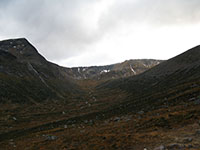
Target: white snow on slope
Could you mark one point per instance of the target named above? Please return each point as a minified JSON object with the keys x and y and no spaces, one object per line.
{"x":104,"y":71}
{"x":133,"y":70}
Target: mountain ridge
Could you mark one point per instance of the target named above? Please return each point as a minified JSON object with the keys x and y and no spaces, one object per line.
{"x":24,"y":51}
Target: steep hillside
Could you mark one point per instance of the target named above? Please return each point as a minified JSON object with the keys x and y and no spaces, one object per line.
{"x":26,"y":76}
{"x":172,"y":82}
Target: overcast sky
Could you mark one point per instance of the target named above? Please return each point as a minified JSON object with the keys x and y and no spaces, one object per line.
{"x":99,"y":32}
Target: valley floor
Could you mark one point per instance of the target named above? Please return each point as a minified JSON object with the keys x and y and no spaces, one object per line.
{"x":177,"y":127}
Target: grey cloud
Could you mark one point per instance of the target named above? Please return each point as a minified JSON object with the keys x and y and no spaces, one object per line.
{"x":4,"y":3}
{"x":58,"y":30}
{"x":152,"y":12}
{"x":54,"y":27}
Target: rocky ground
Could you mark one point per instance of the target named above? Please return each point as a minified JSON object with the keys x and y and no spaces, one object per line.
{"x":161,"y":129}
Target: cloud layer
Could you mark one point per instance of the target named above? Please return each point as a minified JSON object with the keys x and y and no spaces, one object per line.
{"x":58,"y":29}
{"x":157,"y":12}
{"x":86,"y":32}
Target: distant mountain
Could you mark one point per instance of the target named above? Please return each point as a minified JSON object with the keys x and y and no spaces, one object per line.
{"x":119,"y":70}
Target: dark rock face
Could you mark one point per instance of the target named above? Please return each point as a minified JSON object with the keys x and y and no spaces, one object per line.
{"x":6,"y":55}
{"x":22,"y":50}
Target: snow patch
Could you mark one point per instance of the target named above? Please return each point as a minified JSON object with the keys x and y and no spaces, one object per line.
{"x":79,"y":70}
{"x":133,"y":70}
{"x":104,"y":71}
{"x":157,"y":63}
{"x":145,"y":65}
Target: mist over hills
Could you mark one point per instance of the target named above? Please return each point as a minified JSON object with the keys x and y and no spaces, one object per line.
{"x":129,"y":105}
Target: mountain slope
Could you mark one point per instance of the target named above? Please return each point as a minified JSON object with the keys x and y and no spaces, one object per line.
{"x":172,"y":82}
{"x":26,"y":76}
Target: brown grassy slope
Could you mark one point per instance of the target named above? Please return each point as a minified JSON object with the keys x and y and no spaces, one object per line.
{"x":131,"y":131}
